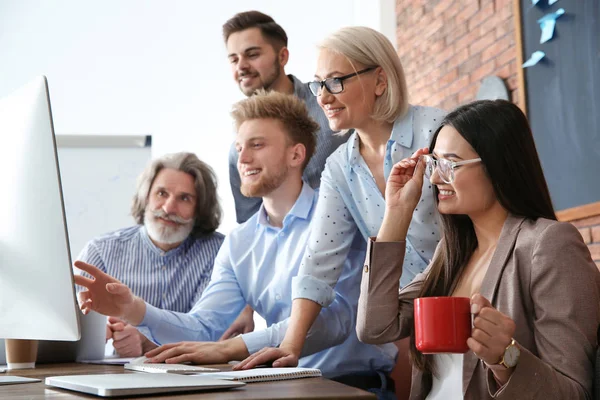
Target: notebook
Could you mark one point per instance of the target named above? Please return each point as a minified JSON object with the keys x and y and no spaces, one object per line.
{"x":264,"y":374}
{"x":110,"y":385}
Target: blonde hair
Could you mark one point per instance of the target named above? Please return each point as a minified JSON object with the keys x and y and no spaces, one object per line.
{"x":370,"y":48}
{"x":208,"y":210}
{"x":288,"y":109}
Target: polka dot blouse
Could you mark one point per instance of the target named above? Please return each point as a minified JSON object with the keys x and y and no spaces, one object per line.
{"x":351,"y":208}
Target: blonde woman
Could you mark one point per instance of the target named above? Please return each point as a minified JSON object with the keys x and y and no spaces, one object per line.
{"x":360,"y":84}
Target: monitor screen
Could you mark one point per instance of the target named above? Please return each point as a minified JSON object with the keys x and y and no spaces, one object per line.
{"x":37,"y":293}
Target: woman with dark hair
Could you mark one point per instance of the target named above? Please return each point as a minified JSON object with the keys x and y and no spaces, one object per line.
{"x":533,"y":286}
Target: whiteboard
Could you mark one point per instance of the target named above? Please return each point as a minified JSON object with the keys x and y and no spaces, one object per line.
{"x":98,"y":174}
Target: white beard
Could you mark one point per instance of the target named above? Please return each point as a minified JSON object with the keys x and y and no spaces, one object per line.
{"x":165,"y":234}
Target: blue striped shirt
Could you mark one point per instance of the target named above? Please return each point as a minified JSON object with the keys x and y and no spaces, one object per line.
{"x":327,"y":142}
{"x":173,"y":280}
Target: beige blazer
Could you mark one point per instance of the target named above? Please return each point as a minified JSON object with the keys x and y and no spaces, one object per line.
{"x":541,"y":275}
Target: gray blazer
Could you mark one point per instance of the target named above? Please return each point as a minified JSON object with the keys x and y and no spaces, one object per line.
{"x":541,"y":275}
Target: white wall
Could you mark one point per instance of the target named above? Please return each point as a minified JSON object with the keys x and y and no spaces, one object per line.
{"x":156,"y":67}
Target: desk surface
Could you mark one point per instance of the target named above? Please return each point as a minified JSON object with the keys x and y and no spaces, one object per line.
{"x":307,"y":388}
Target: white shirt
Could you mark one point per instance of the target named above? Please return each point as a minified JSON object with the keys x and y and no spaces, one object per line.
{"x":447,"y":381}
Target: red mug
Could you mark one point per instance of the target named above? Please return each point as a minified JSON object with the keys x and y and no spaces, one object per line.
{"x":442,"y":324}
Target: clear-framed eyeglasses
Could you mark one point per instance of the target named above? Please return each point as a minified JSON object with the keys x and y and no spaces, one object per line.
{"x":334,"y":85}
{"x":444,"y":167}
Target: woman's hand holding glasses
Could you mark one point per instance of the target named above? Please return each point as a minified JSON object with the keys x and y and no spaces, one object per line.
{"x":402,"y":194}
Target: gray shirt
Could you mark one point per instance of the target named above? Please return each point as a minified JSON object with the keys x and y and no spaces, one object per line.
{"x":327,"y":142}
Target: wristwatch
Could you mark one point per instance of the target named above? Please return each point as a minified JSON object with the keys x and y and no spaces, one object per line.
{"x":511,"y":355}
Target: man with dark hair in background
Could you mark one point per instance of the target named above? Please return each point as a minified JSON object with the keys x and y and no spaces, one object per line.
{"x":257,"y":52}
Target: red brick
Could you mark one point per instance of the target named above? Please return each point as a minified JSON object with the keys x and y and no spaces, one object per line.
{"x":587,"y":221}
{"x":505,"y":27}
{"x":451,"y":11}
{"x":503,"y":72}
{"x":504,"y":11}
{"x":586,"y":234}
{"x":458,"y":85}
{"x":498,"y":47}
{"x":506,"y":56}
{"x":512,"y":83}
{"x":443,"y":56}
{"x":513,"y":68}
{"x":457,"y":31}
{"x":470,"y":65}
{"x":458,"y":58}
{"x":595,"y":250}
{"x":428,"y":6}
{"x":437,"y":46}
{"x":430,"y":29}
{"x":481,"y":72}
{"x":596,"y":234}
{"x":514,"y":97}
{"x":467,"y":12}
{"x":481,"y":44}
{"x":463,"y":41}
{"x":482,"y":15}
{"x":503,"y":3}
{"x":448,"y":78}
{"x":467,"y":94}
{"x":441,"y":7}
{"x":489,"y":27}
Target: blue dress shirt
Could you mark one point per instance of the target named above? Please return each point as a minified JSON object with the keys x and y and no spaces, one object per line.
{"x":352,"y":205}
{"x":327,"y":142}
{"x":173,"y":280}
{"x":255,"y":266}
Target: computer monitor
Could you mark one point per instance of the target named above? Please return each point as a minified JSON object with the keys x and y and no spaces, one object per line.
{"x":37,"y":292}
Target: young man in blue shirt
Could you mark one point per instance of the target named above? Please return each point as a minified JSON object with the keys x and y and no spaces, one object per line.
{"x":256,"y":264}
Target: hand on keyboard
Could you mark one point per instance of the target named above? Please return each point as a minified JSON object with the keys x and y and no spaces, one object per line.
{"x":139,"y":360}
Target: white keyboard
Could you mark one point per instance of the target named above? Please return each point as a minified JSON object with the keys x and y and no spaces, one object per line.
{"x":169,"y":368}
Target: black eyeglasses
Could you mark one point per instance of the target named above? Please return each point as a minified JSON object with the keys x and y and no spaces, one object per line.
{"x":334,"y":85}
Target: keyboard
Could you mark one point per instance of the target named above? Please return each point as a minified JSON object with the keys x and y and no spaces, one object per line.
{"x":169,"y":368}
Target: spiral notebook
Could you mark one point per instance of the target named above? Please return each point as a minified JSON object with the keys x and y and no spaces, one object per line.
{"x":264,"y":374}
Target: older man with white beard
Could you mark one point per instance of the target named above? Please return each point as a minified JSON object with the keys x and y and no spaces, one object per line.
{"x":168,"y":257}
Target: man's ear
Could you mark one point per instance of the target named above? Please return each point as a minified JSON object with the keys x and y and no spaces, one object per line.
{"x":381,"y":84}
{"x":283,"y":56}
{"x":298,"y":155}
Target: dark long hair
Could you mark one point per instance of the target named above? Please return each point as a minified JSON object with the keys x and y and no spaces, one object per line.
{"x":499,"y":132}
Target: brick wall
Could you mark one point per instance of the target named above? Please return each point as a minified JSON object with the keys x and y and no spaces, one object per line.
{"x":448,"y":46}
